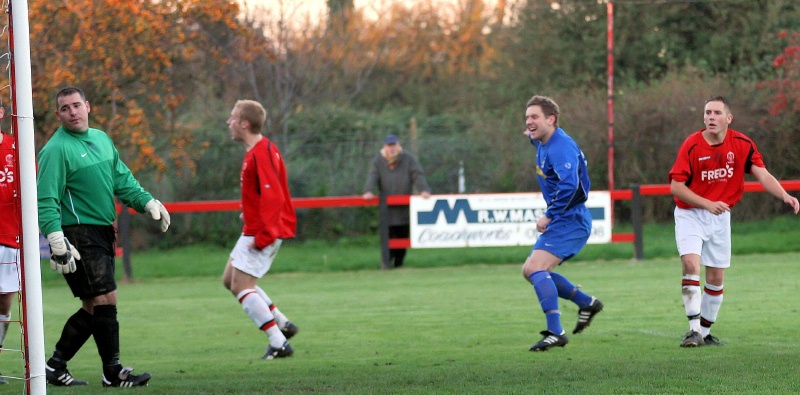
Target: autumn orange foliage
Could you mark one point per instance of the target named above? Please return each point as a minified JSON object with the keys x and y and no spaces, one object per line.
{"x":132,"y":58}
{"x":139,"y":61}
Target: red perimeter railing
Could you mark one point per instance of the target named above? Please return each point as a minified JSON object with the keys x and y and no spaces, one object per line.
{"x":636,"y":192}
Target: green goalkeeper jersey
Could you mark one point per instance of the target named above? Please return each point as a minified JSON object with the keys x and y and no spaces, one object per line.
{"x":78,"y":176}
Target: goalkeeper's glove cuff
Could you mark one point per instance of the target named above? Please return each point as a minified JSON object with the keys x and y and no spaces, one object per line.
{"x":158,"y":212}
{"x":63,"y":254}
{"x":56,"y":240}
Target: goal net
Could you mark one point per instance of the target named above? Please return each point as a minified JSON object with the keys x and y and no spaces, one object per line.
{"x":22,"y":353}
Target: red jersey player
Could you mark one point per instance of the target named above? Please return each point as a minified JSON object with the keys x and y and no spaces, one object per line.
{"x":707,"y":180}
{"x":10,"y":231}
{"x":269,"y":217}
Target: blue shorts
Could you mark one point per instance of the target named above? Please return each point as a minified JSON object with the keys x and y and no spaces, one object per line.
{"x":567,"y":234}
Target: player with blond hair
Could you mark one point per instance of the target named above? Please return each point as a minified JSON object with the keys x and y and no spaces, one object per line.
{"x":269,"y":218}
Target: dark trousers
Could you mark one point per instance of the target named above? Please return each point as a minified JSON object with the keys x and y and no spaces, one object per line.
{"x":396,"y":256}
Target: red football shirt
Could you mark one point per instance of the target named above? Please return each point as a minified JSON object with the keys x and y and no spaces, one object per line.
{"x":715,"y":172}
{"x":10,"y":228}
{"x":266,"y":203}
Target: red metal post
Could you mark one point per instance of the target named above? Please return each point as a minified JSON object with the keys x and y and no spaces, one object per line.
{"x":610,"y":81}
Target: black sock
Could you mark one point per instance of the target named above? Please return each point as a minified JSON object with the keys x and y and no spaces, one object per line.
{"x":76,"y":332}
{"x":105,"y":329}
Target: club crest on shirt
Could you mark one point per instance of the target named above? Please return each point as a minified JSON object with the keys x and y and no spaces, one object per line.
{"x":7,"y":174}
{"x":730,"y":157}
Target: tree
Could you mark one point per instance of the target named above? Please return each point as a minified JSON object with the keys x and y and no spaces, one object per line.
{"x":133,"y":59}
{"x":781,"y":120}
{"x":653,"y":39}
{"x":433,"y":55}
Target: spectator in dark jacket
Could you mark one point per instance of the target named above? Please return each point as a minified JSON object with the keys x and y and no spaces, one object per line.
{"x":396,"y":172}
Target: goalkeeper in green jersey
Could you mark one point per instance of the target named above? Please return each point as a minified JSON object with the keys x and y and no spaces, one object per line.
{"x":80,"y":173}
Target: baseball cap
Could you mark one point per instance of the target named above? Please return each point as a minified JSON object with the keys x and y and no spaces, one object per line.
{"x":391,"y":139}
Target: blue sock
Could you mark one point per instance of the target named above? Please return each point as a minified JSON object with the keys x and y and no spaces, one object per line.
{"x":548,"y":297}
{"x":568,"y":291}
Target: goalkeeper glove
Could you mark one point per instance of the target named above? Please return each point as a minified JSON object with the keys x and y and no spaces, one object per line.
{"x":63,"y":254}
{"x":158,"y":212}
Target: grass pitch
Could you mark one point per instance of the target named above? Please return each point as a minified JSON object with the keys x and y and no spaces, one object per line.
{"x":449,"y":330}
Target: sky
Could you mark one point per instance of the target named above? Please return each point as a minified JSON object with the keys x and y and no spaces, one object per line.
{"x":314,"y":7}
{"x":298,"y":8}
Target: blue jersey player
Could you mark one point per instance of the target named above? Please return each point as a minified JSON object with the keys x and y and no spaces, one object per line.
{"x":565,"y":227}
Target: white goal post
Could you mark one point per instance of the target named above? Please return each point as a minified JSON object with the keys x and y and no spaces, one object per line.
{"x":22,"y":124}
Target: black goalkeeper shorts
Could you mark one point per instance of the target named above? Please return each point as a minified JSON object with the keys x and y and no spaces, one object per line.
{"x":95,"y":270}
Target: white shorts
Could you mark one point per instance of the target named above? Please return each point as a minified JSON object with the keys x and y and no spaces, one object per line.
{"x":251,"y":261}
{"x":9,"y":269}
{"x":698,"y":231}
